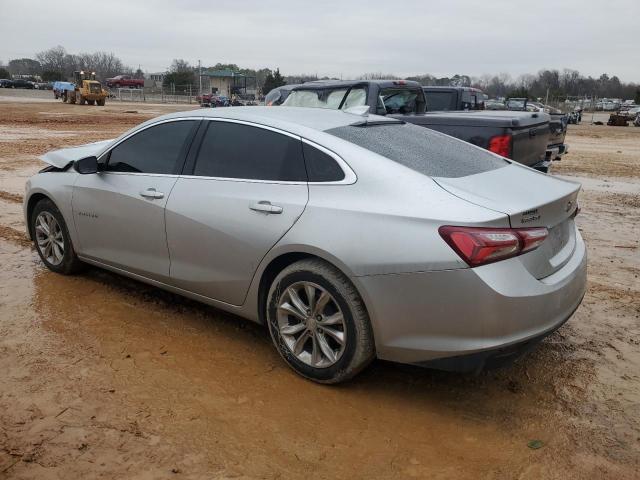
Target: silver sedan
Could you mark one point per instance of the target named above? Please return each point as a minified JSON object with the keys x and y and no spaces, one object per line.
{"x":350,"y":236}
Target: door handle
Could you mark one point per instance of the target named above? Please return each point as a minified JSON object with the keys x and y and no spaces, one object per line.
{"x":151,"y":193}
{"x":265,"y":207}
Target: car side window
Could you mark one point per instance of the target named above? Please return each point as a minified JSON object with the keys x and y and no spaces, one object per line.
{"x":155,"y":149}
{"x":320,"y":166}
{"x":234,"y":150}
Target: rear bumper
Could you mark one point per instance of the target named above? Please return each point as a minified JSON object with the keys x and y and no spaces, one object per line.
{"x":487,"y":312}
{"x":556,"y":152}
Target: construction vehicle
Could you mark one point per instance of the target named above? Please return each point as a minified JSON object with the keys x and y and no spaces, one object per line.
{"x":87,"y":90}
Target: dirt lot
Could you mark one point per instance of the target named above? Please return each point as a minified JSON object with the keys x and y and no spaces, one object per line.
{"x":102,"y":377}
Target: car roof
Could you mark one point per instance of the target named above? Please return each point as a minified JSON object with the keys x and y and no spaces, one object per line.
{"x":322,"y":84}
{"x":297,"y":120}
{"x":451,"y":87}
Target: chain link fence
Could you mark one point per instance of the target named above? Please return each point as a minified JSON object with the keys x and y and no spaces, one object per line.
{"x":186,"y":94}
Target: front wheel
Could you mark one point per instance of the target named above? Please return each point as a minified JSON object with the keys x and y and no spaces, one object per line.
{"x":318,"y":322}
{"x":51,"y":239}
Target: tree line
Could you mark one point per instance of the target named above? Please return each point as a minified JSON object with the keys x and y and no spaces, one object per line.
{"x":58,"y":64}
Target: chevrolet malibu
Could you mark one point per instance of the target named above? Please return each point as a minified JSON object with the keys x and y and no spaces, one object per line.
{"x":350,"y":236}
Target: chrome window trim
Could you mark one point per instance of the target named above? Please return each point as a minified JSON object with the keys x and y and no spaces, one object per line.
{"x":349,"y":175}
{"x":135,"y":132}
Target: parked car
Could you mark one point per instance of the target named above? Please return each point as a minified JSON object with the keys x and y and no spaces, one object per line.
{"x":558,"y":122}
{"x":350,"y":236}
{"x":60,"y":89}
{"x":128,"y":81}
{"x":213,"y":100}
{"x":632,"y":112}
{"x":520,"y":136}
{"x":20,"y":83}
{"x":5,"y":83}
{"x":494,"y":105}
{"x":43,"y":86}
{"x":443,"y":99}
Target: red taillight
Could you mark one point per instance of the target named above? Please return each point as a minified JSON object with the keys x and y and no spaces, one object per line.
{"x":479,"y":246}
{"x":501,"y":144}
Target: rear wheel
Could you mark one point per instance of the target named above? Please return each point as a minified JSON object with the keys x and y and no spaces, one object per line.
{"x":318,"y":322}
{"x":91,"y":102}
{"x":51,"y":238}
{"x":101,"y":102}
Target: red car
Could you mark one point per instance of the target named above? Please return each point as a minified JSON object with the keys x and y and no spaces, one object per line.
{"x":125,"y":81}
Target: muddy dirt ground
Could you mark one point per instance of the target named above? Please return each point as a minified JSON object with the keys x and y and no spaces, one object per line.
{"x":103,"y":377}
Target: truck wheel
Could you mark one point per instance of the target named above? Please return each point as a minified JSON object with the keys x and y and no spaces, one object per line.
{"x":82,"y":100}
{"x":101,"y":102}
{"x":91,"y":102}
{"x":72,"y":97}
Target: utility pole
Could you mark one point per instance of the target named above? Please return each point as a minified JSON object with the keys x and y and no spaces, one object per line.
{"x":200,"y":78}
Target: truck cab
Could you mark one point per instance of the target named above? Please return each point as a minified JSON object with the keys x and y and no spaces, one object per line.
{"x":445,"y":99}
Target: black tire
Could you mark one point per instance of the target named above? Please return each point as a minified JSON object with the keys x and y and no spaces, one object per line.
{"x":70,"y":263}
{"x":100,"y":102}
{"x":359,"y":347}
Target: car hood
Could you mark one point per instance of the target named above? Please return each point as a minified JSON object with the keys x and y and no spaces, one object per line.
{"x":63,"y":157}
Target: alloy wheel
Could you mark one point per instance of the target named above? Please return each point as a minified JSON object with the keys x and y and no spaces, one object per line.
{"x":311,"y":324}
{"x":49,"y":238}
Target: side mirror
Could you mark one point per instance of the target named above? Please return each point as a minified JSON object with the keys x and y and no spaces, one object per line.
{"x":86,"y":165}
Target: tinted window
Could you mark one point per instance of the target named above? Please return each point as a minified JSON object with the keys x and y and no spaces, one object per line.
{"x":153,"y":150}
{"x":440,"y":101}
{"x":421,"y":149}
{"x":320,"y":166}
{"x":232,"y":150}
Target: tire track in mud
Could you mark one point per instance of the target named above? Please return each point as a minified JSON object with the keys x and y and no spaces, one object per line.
{"x":14,"y":236}
{"x":10,"y":197}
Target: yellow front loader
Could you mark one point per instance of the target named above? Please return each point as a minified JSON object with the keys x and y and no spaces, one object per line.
{"x":88,"y":90}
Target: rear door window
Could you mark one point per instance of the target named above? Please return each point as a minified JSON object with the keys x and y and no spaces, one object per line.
{"x":234,"y":150}
{"x":156,"y":149}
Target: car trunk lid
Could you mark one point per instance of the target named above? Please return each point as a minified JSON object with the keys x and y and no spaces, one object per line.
{"x":530,"y":199}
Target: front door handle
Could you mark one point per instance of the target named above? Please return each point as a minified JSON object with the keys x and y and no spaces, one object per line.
{"x":151,"y":193}
{"x":265,"y":207}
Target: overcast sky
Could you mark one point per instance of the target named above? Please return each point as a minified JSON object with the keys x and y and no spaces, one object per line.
{"x":339,"y":38}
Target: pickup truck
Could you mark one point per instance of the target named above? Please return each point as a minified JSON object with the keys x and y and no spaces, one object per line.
{"x":520,"y":136}
{"x":447,"y":99}
{"x":557,"y":124}
{"x":121,"y":81}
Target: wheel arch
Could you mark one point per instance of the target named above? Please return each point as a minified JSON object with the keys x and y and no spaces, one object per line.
{"x":33,"y":200}
{"x":279,"y":261}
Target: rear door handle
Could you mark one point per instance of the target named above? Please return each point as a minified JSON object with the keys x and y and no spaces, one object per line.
{"x":151,"y":193}
{"x":265,"y":207}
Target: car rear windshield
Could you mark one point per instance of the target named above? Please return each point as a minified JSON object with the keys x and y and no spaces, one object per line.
{"x":426,"y":151}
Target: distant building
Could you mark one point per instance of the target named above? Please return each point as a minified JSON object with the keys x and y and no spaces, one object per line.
{"x":226,"y":82}
{"x":154,"y":79}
